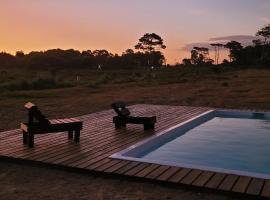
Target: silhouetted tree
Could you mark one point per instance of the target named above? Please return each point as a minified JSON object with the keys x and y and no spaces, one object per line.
{"x":128,"y":58}
{"x":256,"y":54}
{"x":158,"y":58}
{"x":235,"y":49}
{"x":200,"y":56}
{"x":225,"y":62}
{"x":6,"y":60}
{"x":265,"y":34}
{"x":20,"y":54}
{"x":102,"y":57}
{"x":150,"y":42}
{"x":186,"y":62}
{"x":217,"y":47}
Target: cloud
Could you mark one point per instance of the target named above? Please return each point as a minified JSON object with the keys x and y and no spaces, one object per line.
{"x":233,"y":37}
{"x":245,"y":40}
{"x":189,"y":47}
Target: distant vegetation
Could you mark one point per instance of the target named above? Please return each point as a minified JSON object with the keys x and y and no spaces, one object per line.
{"x":148,"y":55}
{"x":40,"y":79}
{"x":256,"y":54}
{"x":34,"y":84}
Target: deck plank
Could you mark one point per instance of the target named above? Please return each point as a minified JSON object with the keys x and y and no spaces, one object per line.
{"x":168,"y":174}
{"x":157,"y":172}
{"x":147,"y":170}
{"x":191,"y":177}
{"x":108,"y":163}
{"x":228,"y":182}
{"x":266,"y":189}
{"x":117,"y":166}
{"x":215,"y":181}
{"x":203,"y":179}
{"x":137,"y":169}
{"x":127,"y":167}
{"x":241,"y":184}
{"x":255,"y":186}
{"x":177,"y":177}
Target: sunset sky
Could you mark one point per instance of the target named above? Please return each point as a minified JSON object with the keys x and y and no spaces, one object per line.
{"x":116,"y":25}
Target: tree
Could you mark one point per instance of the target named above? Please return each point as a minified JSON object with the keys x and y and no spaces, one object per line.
{"x":128,"y":52}
{"x":265,"y":34}
{"x":102,"y":57}
{"x":200,"y":56}
{"x":186,"y":62}
{"x":158,"y":58}
{"x":235,"y":49}
{"x":217,"y":47}
{"x":128,"y":58}
{"x":20,"y":54}
{"x":6,"y":60}
{"x":150,"y":42}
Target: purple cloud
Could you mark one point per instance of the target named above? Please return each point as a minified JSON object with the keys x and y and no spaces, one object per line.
{"x":234,"y":37}
{"x":189,"y":47}
{"x":245,"y":40}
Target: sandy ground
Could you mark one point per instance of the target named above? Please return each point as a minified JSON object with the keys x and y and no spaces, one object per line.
{"x":26,"y":182}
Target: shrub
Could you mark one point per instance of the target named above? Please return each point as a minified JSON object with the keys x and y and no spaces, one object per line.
{"x":36,"y":84}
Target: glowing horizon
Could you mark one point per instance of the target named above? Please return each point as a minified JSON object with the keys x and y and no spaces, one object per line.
{"x":117,"y":25}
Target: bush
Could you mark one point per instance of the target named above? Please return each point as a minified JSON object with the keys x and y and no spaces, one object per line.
{"x":36,"y":84}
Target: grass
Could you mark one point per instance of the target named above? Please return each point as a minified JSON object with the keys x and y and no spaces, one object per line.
{"x":61,"y":93}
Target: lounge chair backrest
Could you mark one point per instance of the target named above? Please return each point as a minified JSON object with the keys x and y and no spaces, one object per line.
{"x":120,"y":109}
{"x":35,"y":113}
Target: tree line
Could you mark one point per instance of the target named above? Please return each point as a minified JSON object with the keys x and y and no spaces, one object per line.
{"x":256,"y":54}
{"x":148,"y":55}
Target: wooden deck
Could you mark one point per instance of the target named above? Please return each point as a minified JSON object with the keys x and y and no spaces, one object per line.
{"x":99,"y":140}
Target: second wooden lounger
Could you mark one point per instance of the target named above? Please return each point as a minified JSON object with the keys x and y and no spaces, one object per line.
{"x":123,"y":117}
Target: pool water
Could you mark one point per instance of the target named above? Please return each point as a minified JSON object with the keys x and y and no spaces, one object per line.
{"x":222,"y":142}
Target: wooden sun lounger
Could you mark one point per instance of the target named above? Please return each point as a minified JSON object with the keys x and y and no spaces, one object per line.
{"x":123,"y":117}
{"x":39,"y":124}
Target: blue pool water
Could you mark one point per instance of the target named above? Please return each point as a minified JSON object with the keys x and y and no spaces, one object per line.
{"x":224,"y":143}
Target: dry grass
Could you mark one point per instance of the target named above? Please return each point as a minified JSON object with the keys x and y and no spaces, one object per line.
{"x":244,"y":89}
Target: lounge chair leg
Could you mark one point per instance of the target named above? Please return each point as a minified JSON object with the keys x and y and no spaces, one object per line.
{"x":117,"y":125}
{"x":120,"y":125}
{"x":70,"y":135}
{"x":25,"y":137}
{"x":30,"y":140}
{"x":77,"y":136}
{"x":149,"y":126}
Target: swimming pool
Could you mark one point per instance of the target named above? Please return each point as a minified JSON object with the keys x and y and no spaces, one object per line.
{"x":235,"y":142}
